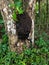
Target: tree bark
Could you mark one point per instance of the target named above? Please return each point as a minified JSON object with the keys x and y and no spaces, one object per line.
{"x":29,"y":6}
{"x":10,"y":25}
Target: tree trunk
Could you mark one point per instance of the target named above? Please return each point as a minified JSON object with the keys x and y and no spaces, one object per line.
{"x":10,"y":25}
{"x":29,"y":6}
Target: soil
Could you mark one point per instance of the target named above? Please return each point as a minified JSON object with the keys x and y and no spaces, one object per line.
{"x":23,"y":25}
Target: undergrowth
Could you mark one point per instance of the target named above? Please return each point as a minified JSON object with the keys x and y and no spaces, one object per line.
{"x":37,"y":55}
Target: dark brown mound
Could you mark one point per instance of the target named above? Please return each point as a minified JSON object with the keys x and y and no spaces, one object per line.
{"x":23,"y":26}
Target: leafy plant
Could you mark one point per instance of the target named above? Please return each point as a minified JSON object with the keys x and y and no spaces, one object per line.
{"x":31,"y":56}
{"x":18,"y":8}
{"x":41,"y":42}
{"x":37,"y":8}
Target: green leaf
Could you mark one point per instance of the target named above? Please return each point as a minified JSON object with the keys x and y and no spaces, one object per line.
{"x":37,"y":7}
{"x":14,"y":16}
{"x":18,"y":4}
{"x":20,"y":10}
{"x":1,"y":21}
{"x":23,"y":63}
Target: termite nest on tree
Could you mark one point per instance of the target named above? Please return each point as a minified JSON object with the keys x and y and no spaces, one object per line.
{"x":23,"y":25}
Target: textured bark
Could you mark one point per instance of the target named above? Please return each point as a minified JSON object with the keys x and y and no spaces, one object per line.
{"x":29,"y":6}
{"x":10,"y":25}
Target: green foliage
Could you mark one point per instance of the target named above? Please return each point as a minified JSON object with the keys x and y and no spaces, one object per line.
{"x":41,"y":18}
{"x":31,"y":56}
{"x":41,"y":50}
{"x":18,"y":8}
{"x":2,"y":28}
{"x":37,"y":8}
{"x":1,"y":21}
{"x":14,"y":16}
{"x":41,"y":42}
